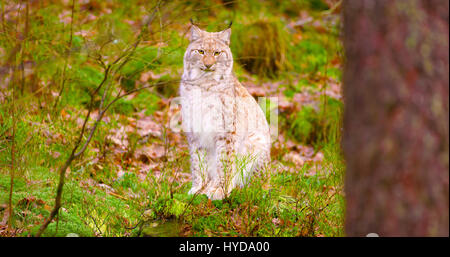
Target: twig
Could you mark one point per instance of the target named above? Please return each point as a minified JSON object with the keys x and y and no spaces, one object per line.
{"x":13,"y":60}
{"x":22,"y":66}
{"x":13,"y":150}
{"x":74,"y":154}
{"x":63,"y":75}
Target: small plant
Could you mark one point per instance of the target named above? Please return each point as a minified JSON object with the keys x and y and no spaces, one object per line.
{"x":261,"y":47}
{"x":317,"y":126}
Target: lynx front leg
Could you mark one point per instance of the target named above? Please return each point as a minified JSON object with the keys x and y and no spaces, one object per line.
{"x":198,"y":169}
{"x":221,"y":175}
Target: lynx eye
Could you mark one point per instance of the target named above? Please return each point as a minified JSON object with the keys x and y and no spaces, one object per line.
{"x":216,"y":53}
{"x":200,"y":51}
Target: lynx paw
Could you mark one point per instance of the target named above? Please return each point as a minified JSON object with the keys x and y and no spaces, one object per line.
{"x":215,"y":193}
{"x":194,"y":190}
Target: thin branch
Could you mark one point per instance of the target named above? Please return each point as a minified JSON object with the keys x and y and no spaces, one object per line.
{"x":63,"y":75}
{"x":120,"y":61}
{"x":13,"y":150}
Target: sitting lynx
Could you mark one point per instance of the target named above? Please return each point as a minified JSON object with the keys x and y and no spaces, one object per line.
{"x":227,"y":131}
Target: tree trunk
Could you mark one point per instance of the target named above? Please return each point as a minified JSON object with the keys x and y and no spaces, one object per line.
{"x":396,"y":123}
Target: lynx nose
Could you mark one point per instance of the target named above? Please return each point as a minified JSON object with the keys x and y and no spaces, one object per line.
{"x":208,"y":61}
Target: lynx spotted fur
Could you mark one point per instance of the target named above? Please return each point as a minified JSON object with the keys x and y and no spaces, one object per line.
{"x":227,"y":131}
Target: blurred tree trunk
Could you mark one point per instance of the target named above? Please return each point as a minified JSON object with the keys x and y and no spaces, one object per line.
{"x":396,"y":123}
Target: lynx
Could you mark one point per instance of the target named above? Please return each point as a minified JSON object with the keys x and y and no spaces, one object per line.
{"x":227,"y":131}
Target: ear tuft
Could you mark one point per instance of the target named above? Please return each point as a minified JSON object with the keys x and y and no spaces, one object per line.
{"x":225,"y":36}
{"x":196,"y":33}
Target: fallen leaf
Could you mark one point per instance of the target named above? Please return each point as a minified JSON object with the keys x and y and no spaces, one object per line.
{"x":146,"y":126}
{"x":151,"y":152}
{"x":294,"y":158}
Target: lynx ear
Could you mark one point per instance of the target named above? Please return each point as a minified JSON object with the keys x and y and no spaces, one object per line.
{"x":225,"y":36}
{"x":196,"y":33}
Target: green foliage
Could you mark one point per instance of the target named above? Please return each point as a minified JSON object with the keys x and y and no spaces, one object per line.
{"x":141,"y":61}
{"x":303,"y":124}
{"x":128,"y":180}
{"x":261,"y":47}
{"x":144,"y":101}
{"x":317,"y":126}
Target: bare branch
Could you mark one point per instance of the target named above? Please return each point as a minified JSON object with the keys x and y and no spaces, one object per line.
{"x":111,"y":69}
{"x":63,"y":75}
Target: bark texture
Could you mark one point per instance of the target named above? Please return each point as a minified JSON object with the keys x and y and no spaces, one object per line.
{"x":396,"y":123}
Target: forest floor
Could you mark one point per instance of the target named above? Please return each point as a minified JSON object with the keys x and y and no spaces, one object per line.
{"x":134,"y":176}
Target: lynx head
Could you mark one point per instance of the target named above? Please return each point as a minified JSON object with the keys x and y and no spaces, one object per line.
{"x":208,"y":55}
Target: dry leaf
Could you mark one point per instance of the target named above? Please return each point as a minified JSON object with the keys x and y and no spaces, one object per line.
{"x":146,"y":126}
{"x":294,"y":158}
